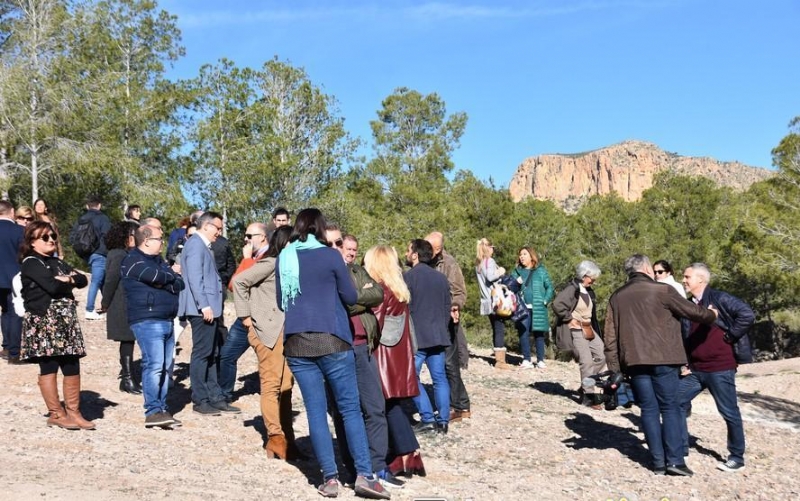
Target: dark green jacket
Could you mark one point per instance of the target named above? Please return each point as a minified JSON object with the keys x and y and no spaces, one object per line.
{"x":538,"y":293}
{"x":368,"y":298}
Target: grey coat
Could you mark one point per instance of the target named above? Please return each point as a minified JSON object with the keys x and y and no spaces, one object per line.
{"x":254,"y":296}
{"x":117,"y":328}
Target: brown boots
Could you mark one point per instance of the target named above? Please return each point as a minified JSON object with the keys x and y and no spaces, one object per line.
{"x":500,"y":359}
{"x":72,"y":401}
{"x":58,"y":416}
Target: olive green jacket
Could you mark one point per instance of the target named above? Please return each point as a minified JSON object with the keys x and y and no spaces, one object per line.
{"x":370,"y":294}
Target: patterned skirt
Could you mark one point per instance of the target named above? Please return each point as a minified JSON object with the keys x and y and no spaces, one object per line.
{"x":54,"y":334}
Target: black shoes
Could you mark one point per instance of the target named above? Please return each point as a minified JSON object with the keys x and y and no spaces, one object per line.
{"x":442,"y":428}
{"x":225,"y":407}
{"x":679,"y":470}
{"x":424,"y":427}
{"x":206,"y":409}
{"x":160,"y":419}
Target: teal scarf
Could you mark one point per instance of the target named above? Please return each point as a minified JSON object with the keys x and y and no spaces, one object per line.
{"x":289,"y":268}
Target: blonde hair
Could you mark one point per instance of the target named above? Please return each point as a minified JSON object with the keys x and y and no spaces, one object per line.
{"x":382,"y":264}
{"x":482,"y":250}
{"x":24,"y":211}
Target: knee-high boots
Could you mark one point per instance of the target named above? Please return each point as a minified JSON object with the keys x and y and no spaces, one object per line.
{"x":48,"y":385}
{"x":72,"y":401}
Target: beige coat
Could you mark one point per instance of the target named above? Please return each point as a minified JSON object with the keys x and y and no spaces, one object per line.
{"x":254,"y":296}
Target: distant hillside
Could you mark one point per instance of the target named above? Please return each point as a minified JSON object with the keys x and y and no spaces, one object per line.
{"x":626,"y":168}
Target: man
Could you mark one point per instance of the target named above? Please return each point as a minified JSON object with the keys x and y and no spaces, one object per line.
{"x":10,"y":240}
{"x":201,"y":303}
{"x":152,"y":221}
{"x":364,"y":327}
{"x":430,"y":311}
{"x":151,"y":292}
{"x":643,"y":340}
{"x":446,"y":264}
{"x":236,"y":343}
{"x":280,"y":217}
{"x":97,"y":259}
{"x":712,"y":361}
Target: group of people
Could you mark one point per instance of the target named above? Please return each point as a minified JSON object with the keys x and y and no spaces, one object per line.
{"x":668,"y":347}
{"x":354,"y":336}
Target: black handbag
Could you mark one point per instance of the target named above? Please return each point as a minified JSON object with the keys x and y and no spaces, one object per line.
{"x":521,"y":312}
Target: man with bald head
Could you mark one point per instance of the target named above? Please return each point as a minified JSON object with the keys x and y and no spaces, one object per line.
{"x":457,"y":354}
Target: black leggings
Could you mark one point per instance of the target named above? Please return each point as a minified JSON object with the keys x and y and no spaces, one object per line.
{"x":126,"y":349}
{"x":70,"y":365}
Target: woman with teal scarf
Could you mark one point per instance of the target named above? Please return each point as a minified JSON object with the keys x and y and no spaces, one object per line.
{"x":537,"y":290}
{"x":312,"y":287}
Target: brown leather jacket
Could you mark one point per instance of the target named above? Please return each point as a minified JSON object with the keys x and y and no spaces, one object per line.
{"x":448,"y":265}
{"x":643,"y":324}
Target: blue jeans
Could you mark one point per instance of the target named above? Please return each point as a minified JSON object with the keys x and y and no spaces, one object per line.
{"x":10,"y":323}
{"x":232,"y":350}
{"x":722,"y":386}
{"x":339,"y":371}
{"x":434,"y":358}
{"x":656,"y":391}
{"x":524,"y":331}
{"x":98,"y":267}
{"x":157,"y":342}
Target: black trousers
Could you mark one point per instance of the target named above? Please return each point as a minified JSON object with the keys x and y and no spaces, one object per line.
{"x":459,"y":399}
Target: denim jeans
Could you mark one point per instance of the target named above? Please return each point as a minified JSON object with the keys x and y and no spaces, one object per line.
{"x":434,"y":358}
{"x":232,"y":350}
{"x":156,"y":340}
{"x":97,"y":263}
{"x":656,"y":391}
{"x":204,"y":361}
{"x":339,"y":371}
{"x":524,"y":331}
{"x":11,"y":323}
{"x":722,"y":386}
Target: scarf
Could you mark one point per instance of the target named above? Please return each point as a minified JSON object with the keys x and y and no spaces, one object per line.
{"x":289,"y":268}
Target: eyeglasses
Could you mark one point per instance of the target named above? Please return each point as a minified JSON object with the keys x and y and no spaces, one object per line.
{"x":339,"y":242}
{"x":49,"y":236}
{"x":660,"y":272}
{"x":219,"y":228}
{"x":160,"y":239}
{"x":250,"y":236}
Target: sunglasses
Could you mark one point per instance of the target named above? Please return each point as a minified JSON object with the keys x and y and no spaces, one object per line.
{"x":250,"y":236}
{"x":49,"y":236}
{"x":339,"y":242}
{"x":659,"y":272}
{"x":25,"y":218}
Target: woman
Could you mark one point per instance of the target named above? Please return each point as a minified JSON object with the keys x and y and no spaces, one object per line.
{"x":395,"y":357}
{"x":663,"y":272}
{"x":488,"y":272}
{"x":537,"y":291}
{"x":119,"y":240}
{"x":51,"y":335}
{"x":311,"y":286}
{"x":133,"y":214}
{"x":578,"y":330}
{"x":254,"y":297}
{"x":24,"y":215}
{"x":42,"y":212}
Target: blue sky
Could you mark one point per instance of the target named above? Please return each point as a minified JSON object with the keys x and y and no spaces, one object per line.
{"x":696,"y":77}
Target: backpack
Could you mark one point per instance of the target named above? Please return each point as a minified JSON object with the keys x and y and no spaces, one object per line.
{"x":84,"y":238}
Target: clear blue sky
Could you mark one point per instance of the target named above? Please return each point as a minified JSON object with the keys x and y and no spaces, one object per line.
{"x":696,"y":77}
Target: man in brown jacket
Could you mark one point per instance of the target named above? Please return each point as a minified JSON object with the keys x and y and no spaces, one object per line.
{"x":643,"y":339}
{"x":457,"y":354}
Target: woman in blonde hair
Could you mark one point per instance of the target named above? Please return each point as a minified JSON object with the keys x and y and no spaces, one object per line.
{"x":488,"y":272}
{"x":395,"y":357}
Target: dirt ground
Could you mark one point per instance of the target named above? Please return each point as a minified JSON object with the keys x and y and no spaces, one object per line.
{"x":527,"y":439}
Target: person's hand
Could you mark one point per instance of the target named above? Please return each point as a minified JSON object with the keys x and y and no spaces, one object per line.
{"x":367,"y":285}
{"x":208,"y":315}
{"x":176,"y":268}
{"x":519,"y":280}
{"x":455,"y":314}
{"x":501,"y":270}
{"x":716,"y":311}
{"x":64,"y":278}
{"x":247,"y":251}
{"x":247,"y":322}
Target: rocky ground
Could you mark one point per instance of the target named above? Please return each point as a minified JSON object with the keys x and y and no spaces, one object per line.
{"x":527,"y":439}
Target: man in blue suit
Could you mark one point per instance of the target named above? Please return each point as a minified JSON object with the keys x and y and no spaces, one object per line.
{"x":201,"y":303}
{"x":10,"y":240}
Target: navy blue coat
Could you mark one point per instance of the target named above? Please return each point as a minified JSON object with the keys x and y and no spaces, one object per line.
{"x":430,"y":305}
{"x":151,"y":287}
{"x":735,"y":317}
{"x":10,"y":241}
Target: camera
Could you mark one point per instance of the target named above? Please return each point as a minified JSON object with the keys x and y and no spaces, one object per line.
{"x":612,"y":383}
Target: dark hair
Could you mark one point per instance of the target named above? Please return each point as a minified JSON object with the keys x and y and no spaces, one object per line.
{"x":532,"y":254}
{"x":206,"y":218}
{"x":143,"y":233}
{"x":131,"y":208}
{"x":278,"y":240}
{"x":93,"y":201}
{"x":186,"y":221}
{"x":46,"y":205}
{"x":423,"y":249}
{"x":309,"y":222}
{"x":117,"y":236}
{"x":280,"y":211}
{"x":664,"y":264}
{"x":33,"y":231}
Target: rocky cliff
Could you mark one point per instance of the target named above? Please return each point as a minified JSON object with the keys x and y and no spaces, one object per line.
{"x":627,"y":168}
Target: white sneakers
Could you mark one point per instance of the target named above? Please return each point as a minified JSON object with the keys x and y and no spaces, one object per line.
{"x":527,"y":364}
{"x":541,"y":365}
{"x":93,"y":315}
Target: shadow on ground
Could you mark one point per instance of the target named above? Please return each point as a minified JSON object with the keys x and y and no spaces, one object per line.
{"x":781,"y":409}
{"x":593,"y":434}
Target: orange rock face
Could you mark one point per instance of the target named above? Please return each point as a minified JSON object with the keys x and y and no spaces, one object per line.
{"x":626,"y":168}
